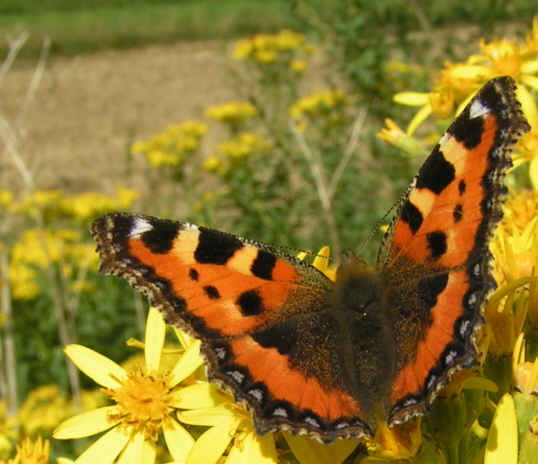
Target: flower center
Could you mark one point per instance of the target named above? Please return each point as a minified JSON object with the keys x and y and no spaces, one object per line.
{"x":144,"y":402}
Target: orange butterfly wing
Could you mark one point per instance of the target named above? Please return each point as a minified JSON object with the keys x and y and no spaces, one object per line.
{"x":438,"y":243}
{"x":260,"y":314}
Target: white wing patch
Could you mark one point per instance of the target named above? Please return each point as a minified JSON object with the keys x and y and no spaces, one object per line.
{"x":139,"y":227}
{"x":478,"y":109}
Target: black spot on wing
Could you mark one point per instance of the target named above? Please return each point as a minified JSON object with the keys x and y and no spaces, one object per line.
{"x":263,"y":265}
{"x":457,"y":214}
{"x":467,"y":131}
{"x":436,"y":244}
{"x":211,"y":292}
{"x":281,"y":336}
{"x":215,"y":247}
{"x":412,"y":216}
{"x":430,"y":287}
{"x":161,"y":238}
{"x":250,"y":303}
{"x":436,"y":173}
{"x":193,"y":274}
{"x":461,"y":187}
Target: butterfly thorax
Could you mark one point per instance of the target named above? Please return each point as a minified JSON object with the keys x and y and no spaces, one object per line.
{"x":361,"y":306}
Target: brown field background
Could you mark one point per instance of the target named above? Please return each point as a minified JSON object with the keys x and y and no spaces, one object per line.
{"x":88,"y":109}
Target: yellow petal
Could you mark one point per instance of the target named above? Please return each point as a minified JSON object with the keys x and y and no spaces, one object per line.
{"x":533,"y":172}
{"x":149,"y":453}
{"x":312,"y":452}
{"x":502,"y":444}
{"x":518,"y":355}
{"x":528,"y":104}
{"x":86,"y":423}
{"x":99,"y":368}
{"x":64,"y":461}
{"x":178,"y":441}
{"x":322,"y":256}
{"x":187,"y":364}
{"x":412,"y":98}
{"x":106,"y":449}
{"x":209,"y":416}
{"x":419,"y":118}
{"x":132,"y":453}
{"x":198,"y":396}
{"x":470,"y":72}
{"x":154,"y":339}
{"x":254,"y":449}
{"x":529,"y":67}
{"x":184,"y":338}
{"x":473,"y":59}
{"x":531,"y":81}
{"x":321,"y":261}
{"x":211,"y":444}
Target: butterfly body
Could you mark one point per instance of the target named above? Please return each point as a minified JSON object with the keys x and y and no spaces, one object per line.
{"x":309,"y":355}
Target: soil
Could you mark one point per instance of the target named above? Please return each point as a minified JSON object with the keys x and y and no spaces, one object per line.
{"x":88,"y":109}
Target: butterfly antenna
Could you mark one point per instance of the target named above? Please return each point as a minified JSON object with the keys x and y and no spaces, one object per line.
{"x":378,"y":225}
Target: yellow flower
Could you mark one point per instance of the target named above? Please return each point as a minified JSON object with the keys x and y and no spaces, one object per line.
{"x":232,"y":112}
{"x":298,"y":66}
{"x":265,"y":56}
{"x":41,"y":248}
{"x":38,"y":247}
{"x":8,"y":431}
{"x":43,"y":409}
{"x":319,"y":103}
{"x":400,"y":442}
{"x":31,"y":452}
{"x":457,"y":82}
{"x":159,"y":158}
{"x":287,"y":40}
{"x":229,"y":424}
{"x":212,"y":163}
{"x":515,"y":241}
{"x":46,"y":202}
{"x":193,"y":128}
{"x":145,"y":400}
{"x":22,"y":279}
{"x":527,"y":147}
{"x":89,"y":205}
{"x":272,"y":48}
{"x":394,"y":135}
{"x":531,"y":41}
{"x":245,"y":144}
{"x":505,"y":315}
{"x":173,"y":146}
{"x":6,"y":197}
{"x":243,"y":48}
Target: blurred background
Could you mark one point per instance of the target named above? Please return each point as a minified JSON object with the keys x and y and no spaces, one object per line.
{"x":266,"y":119}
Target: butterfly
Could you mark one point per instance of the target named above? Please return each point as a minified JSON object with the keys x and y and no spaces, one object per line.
{"x":307,"y":354}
